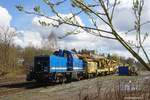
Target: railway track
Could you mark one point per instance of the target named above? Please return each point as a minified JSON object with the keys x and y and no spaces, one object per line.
{"x":13,"y":87}
{"x":7,"y":88}
{"x":20,"y":85}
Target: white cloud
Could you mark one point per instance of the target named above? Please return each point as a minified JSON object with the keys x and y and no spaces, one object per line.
{"x":123,"y":21}
{"x":28,"y":38}
{"x":60,"y":31}
{"x":123,"y":3}
{"x":85,"y":40}
{"x":24,"y":38}
{"x":5,"y":17}
{"x":79,"y":41}
{"x":63,"y":16}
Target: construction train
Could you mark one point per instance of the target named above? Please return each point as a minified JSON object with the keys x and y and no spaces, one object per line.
{"x":65,"y":66}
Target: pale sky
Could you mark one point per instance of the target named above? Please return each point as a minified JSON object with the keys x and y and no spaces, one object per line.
{"x":32,"y":32}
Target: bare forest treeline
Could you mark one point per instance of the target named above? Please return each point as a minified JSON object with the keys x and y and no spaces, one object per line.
{"x":13,"y":58}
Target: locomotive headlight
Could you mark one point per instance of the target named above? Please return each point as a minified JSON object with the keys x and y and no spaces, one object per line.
{"x":45,"y":69}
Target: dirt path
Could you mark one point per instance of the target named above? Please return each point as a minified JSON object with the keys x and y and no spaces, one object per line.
{"x":71,"y":91}
{"x":19,"y":78}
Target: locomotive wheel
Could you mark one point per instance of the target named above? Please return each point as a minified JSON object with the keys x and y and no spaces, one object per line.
{"x":78,"y":77}
{"x":89,"y":76}
{"x":62,"y":79}
{"x":28,"y":77}
{"x":103,"y":73}
{"x":95,"y":75}
{"x":68,"y":78}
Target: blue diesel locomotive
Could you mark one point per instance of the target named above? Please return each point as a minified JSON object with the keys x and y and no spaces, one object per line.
{"x":62,"y":66}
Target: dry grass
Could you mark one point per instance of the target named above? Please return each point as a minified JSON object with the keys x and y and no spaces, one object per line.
{"x":119,"y":90}
{"x":100,"y":88}
{"x":13,"y":73}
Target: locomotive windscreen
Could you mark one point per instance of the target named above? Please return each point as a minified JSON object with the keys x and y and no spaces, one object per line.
{"x":41,"y":63}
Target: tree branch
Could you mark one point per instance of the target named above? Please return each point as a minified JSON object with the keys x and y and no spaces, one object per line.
{"x":84,"y":27}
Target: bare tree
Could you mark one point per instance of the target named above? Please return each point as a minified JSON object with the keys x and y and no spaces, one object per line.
{"x":50,"y":43}
{"x":7,"y":50}
{"x":137,"y":8}
{"x":97,"y":11}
